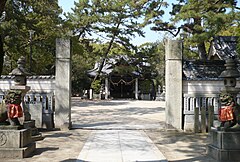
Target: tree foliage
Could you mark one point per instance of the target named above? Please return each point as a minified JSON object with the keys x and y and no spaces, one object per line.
{"x":200,"y":20}
{"x":114,"y":21}
{"x":23,"y":16}
{"x":151,"y":56}
{"x":2,"y":17}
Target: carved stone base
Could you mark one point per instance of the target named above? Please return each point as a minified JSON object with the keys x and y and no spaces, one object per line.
{"x":16,"y":143}
{"x":224,"y":146}
{"x":35,"y":134}
{"x":17,"y":153}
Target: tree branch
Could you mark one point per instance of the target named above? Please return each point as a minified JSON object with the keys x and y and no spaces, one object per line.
{"x":107,"y":51}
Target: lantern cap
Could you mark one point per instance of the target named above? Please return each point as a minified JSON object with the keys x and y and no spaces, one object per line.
{"x":20,"y":70}
{"x":231,"y":70}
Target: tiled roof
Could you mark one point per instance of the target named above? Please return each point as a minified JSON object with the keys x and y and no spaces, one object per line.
{"x":203,"y":70}
{"x":29,"y":77}
{"x":109,"y":65}
{"x":224,"y":47}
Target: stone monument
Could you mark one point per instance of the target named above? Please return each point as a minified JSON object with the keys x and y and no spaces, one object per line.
{"x":225,"y":140}
{"x":16,"y":138}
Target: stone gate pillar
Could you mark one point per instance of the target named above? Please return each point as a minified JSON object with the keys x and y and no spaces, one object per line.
{"x":63,"y":84}
{"x":173,"y":81}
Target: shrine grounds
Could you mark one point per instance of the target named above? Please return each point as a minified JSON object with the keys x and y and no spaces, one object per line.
{"x":125,"y":115}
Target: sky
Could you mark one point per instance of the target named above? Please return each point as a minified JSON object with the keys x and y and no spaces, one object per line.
{"x":150,"y":36}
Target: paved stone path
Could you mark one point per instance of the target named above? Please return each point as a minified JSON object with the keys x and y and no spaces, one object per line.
{"x":120,"y":146}
{"x":118,"y":134}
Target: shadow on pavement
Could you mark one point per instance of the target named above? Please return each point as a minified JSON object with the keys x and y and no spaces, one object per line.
{"x":69,"y":160}
{"x":58,"y":134}
{"x":78,"y":126}
{"x":85,"y":103}
{"x":39,"y":151}
{"x":74,"y":160}
{"x":181,"y":146}
{"x":122,"y":112}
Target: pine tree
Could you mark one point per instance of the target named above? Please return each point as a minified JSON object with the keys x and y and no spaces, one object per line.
{"x":2,"y":6}
{"x":201,"y":20}
{"x":113,"y":20}
{"x":23,"y":16}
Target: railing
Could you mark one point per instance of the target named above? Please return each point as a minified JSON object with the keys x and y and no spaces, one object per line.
{"x":41,"y":106}
{"x":200,"y":100}
{"x":201,"y":110}
{"x":47,"y":100}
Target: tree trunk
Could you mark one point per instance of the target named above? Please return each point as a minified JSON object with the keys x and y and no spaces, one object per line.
{"x":2,"y":6}
{"x":106,"y":53}
{"x":1,"y":55}
{"x":202,"y":51}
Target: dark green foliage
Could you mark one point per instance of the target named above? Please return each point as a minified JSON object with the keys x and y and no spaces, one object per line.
{"x":200,"y":20}
{"x":96,"y":86}
{"x":145,"y":86}
{"x":2,"y":7}
{"x":113,"y":21}
{"x":39,"y":16}
{"x":152,"y":55}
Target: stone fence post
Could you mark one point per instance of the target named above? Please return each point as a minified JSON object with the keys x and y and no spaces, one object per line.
{"x":173,"y":81}
{"x":63,"y":84}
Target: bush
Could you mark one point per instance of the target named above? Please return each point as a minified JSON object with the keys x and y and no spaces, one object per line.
{"x":145,"y":86}
{"x":96,"y":86}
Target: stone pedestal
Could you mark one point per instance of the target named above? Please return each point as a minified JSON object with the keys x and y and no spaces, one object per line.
{"x":224,"y":146}
{"x":35,"y":134}
{"x":16,"y":144}
{"x":28,"y":123}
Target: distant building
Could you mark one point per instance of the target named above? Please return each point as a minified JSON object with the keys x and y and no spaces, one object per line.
{"x":121,"y":76}
{"x":223,"y":47}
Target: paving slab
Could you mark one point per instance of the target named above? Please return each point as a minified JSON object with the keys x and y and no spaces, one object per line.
{"x":120,"y":146}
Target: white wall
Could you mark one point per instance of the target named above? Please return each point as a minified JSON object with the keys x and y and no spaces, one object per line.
{"x":40,"y":84}
{"x":203,"y":87}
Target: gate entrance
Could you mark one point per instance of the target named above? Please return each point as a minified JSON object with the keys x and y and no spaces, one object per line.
{"x":122,"y":86}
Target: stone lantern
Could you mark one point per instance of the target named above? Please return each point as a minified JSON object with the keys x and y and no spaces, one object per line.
{"x":20,"y":83}
{"x":17,"y":142}
{"x":20,"y":73}
{"x":229,"y":75}
{"x":225,"y":139}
